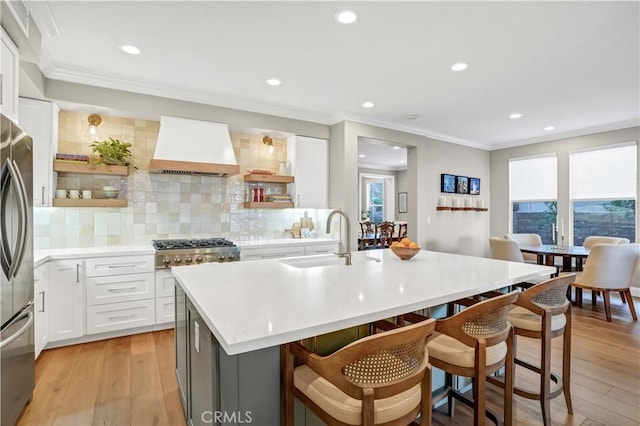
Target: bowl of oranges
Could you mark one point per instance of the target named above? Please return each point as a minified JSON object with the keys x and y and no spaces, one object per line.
{"x":405,"y":249}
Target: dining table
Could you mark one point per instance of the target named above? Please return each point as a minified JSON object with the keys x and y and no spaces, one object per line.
{"x":546,"y":254}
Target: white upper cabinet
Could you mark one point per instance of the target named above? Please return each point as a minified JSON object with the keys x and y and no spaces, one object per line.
{"x":309,"y":159}
{"x":9,"y":67}
{"x":40,"y":120}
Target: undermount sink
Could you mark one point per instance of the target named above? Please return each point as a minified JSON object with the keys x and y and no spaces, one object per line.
{"x":324,"y":260}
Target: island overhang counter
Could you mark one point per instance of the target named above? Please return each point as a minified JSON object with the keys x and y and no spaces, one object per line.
{"x":251,"y":308}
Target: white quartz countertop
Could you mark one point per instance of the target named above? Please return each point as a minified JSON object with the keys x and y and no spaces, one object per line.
{"x":263,"y":303}
{"x":284,"y":242}
{"x":42,"y":256}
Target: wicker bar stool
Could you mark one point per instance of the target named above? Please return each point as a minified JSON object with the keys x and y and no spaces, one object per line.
{"x":474,"y":343}
{"x":384,"y":378}
{"x":543,"y":312}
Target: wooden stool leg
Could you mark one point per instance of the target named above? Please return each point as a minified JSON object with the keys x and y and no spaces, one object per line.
{"x":450,"y":401}
{"x":622,"y":297}
{"x":594,"y":297}
{"x":508,"y":380}
{"x":632,"y":308}
{"x":566,"y":362}
{"x":607,"y":304}
{"x":545,"y":373}
{"x":479,"y":386}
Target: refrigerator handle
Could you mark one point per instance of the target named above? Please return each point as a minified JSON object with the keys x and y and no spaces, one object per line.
{"x":22,"y":329}
{"x":21,"y":244}
{"x":5,"y":183}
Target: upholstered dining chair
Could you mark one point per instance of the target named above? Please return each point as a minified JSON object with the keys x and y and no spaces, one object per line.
{"x":596,"y":239}
{"x":526,"y":240}
{"x":367,"y":233}
{"x":543,"y":312}
{"x":610,"y":267}
{"x":505,"y":249}
{"x":474,"y":343}
{"x":384,"y":378}
{"x":402,"y":231}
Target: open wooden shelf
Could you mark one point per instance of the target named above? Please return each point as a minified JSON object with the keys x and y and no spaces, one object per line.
{"x":268,"y":205}
{"x":86,"y":168}
{"x":254,"y":177}
{"x":475,"y":209}
{"x":94,"y":202}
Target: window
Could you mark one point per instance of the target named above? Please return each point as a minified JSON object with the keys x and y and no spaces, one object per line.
{"x":375,"y":201}
{"x":603,"y":192}
{"x":377,"y":197}
{"x":533,"y":195}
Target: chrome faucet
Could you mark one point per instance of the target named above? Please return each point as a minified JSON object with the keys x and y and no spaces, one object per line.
{"x":346,"y":254}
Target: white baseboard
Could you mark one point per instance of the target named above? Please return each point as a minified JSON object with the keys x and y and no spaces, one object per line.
{"x":635,"y":291}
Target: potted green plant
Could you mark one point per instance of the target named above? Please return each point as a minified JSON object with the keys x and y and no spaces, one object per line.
{"x":113,"y":152}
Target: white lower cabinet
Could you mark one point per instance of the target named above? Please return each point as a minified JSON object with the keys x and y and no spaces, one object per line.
{"x":41,"y":311}
{"x":66,"y":316}
{"x":271,"y":253}
{"x":165,"y":302}
{"x":329,"y":248}
{"x":120,"y":316}
{"x":120,"y":293}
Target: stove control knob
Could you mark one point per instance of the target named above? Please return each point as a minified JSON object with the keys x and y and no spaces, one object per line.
{"x":221,"y":258}
{"x":231,"y":257}
{"x":166,"y":262}
{"x":199,"y":259}
{"x":188,"y":259}
{"x":177,"y":260}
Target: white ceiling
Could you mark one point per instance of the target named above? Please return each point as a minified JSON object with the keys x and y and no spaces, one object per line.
{"x":572,"y":65}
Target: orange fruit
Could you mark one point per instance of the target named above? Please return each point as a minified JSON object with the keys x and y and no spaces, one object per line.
{"x":405,"y":242}
{"x":396,"y":244}
{"x":413,"y":245}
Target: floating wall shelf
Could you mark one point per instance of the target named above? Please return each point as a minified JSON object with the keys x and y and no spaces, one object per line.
{"x":86,"y":168}
{"x":94,"y":202}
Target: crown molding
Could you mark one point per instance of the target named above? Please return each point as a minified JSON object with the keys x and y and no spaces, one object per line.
{"x":51,"y":71}
{"x":407,"y":129}
{"x":41,"y":13}
{"x":569,"y":134}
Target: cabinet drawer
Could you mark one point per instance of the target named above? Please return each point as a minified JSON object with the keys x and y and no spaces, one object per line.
{"x":120,"y":288}
{"x":271,"y":253}
{"x":120,"y":316}
{"x":165,"y":309}
{"x":119,"y":265}
{"x":329,"y":248}
{"x":164,"y":284}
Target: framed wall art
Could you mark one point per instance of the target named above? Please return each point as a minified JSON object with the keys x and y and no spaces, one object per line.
{"x":462,"y":185}
{"x":447,"y":183}
{"x":402,"y":202}
{"x":474,"y":186}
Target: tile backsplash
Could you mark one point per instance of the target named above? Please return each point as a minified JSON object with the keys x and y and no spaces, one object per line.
{"x":162,"y":206}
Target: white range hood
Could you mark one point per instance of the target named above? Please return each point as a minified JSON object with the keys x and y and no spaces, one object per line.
{"x":193,"y":147}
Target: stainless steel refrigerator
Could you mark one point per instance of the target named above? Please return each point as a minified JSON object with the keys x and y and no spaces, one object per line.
{"x":16,"y":256}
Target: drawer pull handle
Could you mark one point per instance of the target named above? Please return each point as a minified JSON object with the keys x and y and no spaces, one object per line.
{"x":122,"y":289}
{"x":121,"y":266}
{"x":122,"y":317}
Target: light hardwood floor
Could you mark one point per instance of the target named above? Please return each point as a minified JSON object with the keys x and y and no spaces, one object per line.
{"x":131,"y":381}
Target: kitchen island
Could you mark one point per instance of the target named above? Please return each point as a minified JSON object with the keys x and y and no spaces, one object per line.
{"x":237,"y":315}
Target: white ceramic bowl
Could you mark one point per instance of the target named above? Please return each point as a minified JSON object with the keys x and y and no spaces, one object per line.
{"x":111,"y":194}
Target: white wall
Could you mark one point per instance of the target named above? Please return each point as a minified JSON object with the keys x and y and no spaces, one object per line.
{"x":459,"y":232}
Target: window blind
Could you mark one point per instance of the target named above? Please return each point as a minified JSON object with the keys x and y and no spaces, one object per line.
{"x":533,"y":179}
{"x":608,"y":173}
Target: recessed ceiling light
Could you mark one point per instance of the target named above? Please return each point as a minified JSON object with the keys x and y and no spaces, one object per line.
{"x":549,"y":128}
{"x":396,"y":147}
{"x":402,"y":161}
{"x":130,"y":49}
{"x":274,"y":82}
{"x":368,"y":104}
{"x":346,"y":17}
{"x":361,"y":156}
{"x":515,"y":115}
{"x":461,"y":66}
